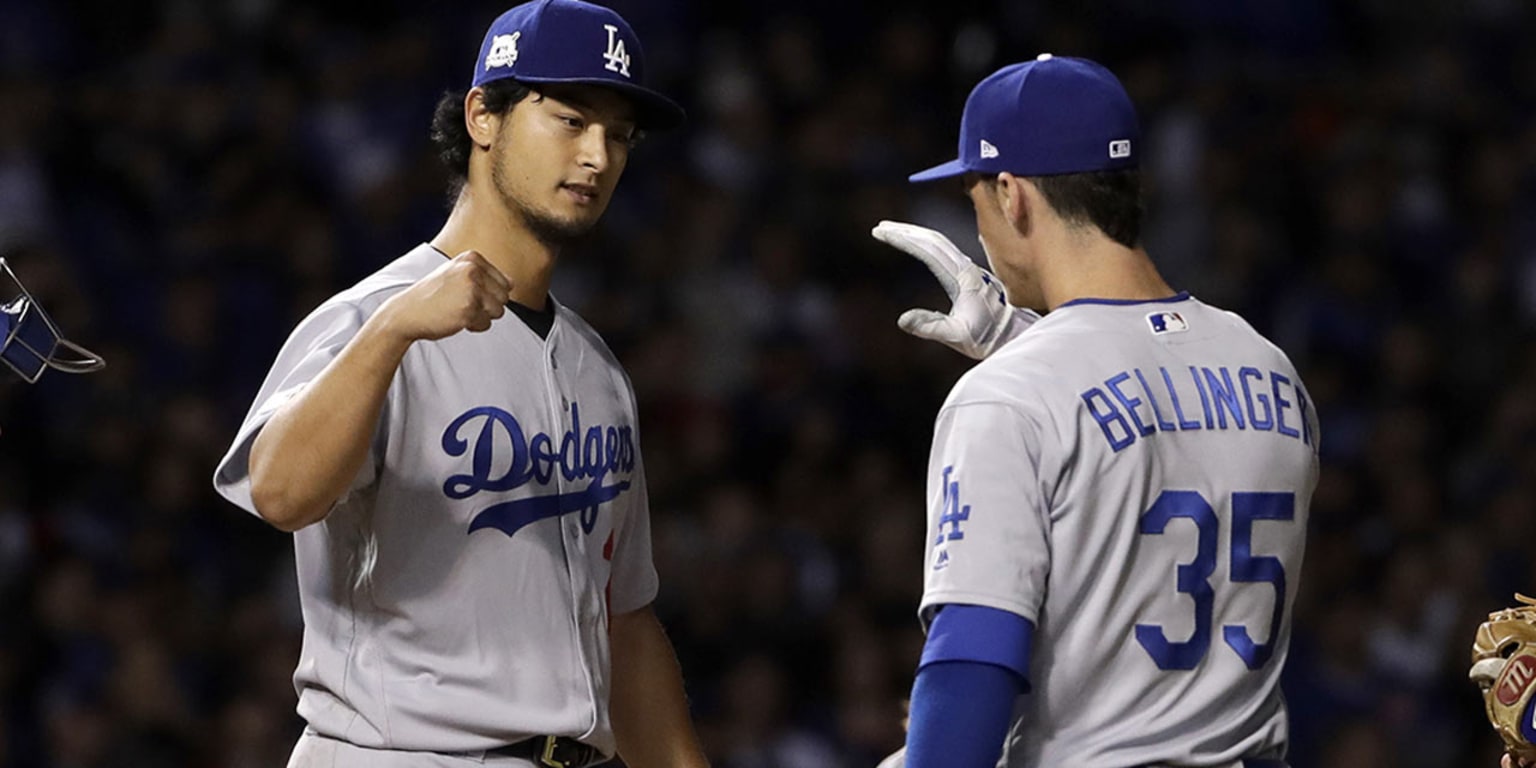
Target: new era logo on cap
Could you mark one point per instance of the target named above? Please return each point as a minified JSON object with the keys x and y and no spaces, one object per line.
{"x":987,"y":150}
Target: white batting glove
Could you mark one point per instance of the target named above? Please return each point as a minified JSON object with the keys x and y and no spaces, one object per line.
{"x":980,"y":319}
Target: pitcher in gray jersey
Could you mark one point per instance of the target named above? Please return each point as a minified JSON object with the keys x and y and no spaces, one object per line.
{"x":465,"y":484}
{"x":1118,"y":492}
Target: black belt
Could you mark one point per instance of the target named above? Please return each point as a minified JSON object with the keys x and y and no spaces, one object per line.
{"x":551,"y":751}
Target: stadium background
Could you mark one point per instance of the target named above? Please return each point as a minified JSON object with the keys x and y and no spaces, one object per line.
{"x":180,"y":182}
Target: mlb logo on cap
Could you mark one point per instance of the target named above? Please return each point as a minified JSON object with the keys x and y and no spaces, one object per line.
{"x":570,"y":41}
{"x":1051,"y":116}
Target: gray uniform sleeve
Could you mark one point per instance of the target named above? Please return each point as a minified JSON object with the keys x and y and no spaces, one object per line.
{"x":988,"y":525}
{"x":312,"y":346}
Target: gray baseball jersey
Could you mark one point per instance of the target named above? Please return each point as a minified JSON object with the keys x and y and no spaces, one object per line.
{"x":457,"y":597}
{"x":1134,"y":478}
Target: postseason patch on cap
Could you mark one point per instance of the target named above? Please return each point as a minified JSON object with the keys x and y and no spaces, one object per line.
{"x":1167,"y":322}
{"x":503,"y":50}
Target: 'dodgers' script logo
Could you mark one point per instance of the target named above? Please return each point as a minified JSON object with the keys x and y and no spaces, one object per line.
{"x":592,"y":455}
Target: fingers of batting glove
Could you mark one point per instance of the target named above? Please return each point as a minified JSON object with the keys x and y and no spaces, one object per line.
{"x":936,"y":326}
{"x":930,"y":244}
{"x":928,"y":324}
{"x":941,"y":256}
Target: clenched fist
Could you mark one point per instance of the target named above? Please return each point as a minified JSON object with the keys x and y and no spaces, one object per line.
{"x":466,"y":293}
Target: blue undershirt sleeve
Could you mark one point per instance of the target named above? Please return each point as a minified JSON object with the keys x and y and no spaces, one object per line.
{"x":977,"y":633}
{"x":974,"y":664}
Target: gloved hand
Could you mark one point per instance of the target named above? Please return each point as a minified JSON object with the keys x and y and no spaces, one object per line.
{"x":1504,"y":669}
{"x":980,"y":319}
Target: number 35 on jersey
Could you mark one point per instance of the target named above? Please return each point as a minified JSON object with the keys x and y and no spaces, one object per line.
{"x":1194,"y":577}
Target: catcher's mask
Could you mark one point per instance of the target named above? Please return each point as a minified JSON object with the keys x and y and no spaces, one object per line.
{"x":33,"y":343}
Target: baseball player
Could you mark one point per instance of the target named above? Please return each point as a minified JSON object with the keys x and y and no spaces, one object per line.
{"x":1118,"y":492}
{"x":458,"y":455}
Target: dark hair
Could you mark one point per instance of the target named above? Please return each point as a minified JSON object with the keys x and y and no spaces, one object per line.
{"x":451,"y":138}
{"x":1109,"y":200}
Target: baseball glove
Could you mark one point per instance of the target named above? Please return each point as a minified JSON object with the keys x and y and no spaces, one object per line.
{"x":1504,"y":667}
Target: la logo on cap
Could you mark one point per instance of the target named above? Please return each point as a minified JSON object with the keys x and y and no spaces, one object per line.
{"x":617,"y":57}
{"x":987,"y":150}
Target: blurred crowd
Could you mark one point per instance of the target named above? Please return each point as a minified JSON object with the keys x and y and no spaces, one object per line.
{"x":181,"y":182}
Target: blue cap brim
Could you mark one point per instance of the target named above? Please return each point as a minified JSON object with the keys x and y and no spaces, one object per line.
{"x":653,"y":111}
{"x":943,"y":171}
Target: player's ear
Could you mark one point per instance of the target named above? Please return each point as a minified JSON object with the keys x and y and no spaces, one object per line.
{"x":1013,"y":198}
{"x":479,"y":121}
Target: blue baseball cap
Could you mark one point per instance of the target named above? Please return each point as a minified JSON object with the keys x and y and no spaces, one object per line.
{"x":569,"y":41}
{"x":1046,"y":117}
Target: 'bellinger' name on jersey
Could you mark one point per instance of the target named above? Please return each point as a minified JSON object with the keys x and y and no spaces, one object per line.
{"x":1136,"y":403}
{"x":457,"y":597}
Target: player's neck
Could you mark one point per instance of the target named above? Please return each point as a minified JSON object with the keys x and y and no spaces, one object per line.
{"x":1096,"y":267}
{"x":527,"y":261}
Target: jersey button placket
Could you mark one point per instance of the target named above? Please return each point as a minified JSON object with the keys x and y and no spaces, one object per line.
{"x":572,"y":543}
{"x":554,"y":366}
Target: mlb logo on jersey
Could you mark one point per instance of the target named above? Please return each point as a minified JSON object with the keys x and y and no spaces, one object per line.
{"x":1167,"y":322}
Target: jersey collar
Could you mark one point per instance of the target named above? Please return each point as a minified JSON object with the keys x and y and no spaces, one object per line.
{"x":1177,"y":297}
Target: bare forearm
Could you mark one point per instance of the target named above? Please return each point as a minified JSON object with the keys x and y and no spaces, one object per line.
{"x":306,"y":455}
{"x":649,"y":708}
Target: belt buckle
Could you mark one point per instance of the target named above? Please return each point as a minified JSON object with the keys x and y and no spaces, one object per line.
{"x":548,"y":758}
